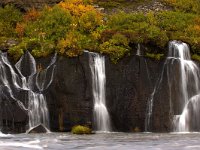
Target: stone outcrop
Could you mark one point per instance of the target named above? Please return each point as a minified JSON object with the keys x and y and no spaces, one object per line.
{"x":133,"y":5}
{"x":27,"y":4}
{"x":38,"y":129}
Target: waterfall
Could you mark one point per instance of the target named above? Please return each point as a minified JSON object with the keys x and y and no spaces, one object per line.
{"x":101,"y":115}
{"x":189,"y":119}
{"x":138,"y":50}
{"x":27,"y":79}
{"x":37,"y":106}
{"x":38,"y":110}
{"x":187,"y":82}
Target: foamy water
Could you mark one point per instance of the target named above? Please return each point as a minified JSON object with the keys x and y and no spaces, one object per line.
{"x":101,"y":141}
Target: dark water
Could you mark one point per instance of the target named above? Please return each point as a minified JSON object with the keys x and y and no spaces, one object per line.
{"x":110,"y":141}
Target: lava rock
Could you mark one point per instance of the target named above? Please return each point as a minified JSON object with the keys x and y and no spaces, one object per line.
{"x":38,"y":129}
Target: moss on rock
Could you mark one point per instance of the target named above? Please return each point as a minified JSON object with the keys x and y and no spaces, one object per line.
{"x":81,"y":130}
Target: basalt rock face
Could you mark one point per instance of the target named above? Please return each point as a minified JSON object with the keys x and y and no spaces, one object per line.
{"x":70,"y":96}
{"x":27,"y":4}
{"x":129,"y":85}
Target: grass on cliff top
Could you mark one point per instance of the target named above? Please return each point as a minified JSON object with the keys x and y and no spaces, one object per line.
{"x":74,"y":25}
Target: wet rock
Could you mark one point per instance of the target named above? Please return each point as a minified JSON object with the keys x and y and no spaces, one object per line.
{"x":129,"y":85}
{"x":38,"y":129}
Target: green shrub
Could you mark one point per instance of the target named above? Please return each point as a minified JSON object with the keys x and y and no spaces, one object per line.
{"x":185,"y":5}
{"x":74,"y":25}
{"x":52,"y":24}
{"x":9,"y":16}
{"x":17,"y":51}
{"x":81,"y":130}
{"x":196,"y":57}
{"x":154,"y":56}
{"x":125,"y":21}
{"x":116,"y":47}
{"x":38,"y":47}
{"x":89,"y":21}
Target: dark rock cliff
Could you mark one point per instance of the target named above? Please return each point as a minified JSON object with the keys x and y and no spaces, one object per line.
{"x":70,"y":96}
{"x":129,"y":85}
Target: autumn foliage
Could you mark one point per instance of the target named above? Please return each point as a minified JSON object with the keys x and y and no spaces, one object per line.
{"x":73,"y":26}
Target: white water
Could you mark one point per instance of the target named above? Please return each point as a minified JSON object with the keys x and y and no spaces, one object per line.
{"x":138,"y":50}
{"x":188,"y":84}
{"x":101,"y":115}
{"x":38,"y":110}
{"x":189,"y":120}
{"x":112,"y":141}
{"x":37,"y":107}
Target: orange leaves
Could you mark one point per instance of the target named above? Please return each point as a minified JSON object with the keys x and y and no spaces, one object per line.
{"x":197,"y":28}
{"x":31,"y":15}
{"x":85,"y":17}
{"x":20,"y":29}
{"x":197,"y":20}
{"x":194,"y":30}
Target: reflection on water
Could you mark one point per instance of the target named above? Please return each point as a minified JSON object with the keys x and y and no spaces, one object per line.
{"x":111,"y":141}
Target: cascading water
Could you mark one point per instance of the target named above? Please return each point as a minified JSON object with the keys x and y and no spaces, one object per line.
{"x":101,"y":115}
{"x":37,"y":106}
{"x":190,"y":89}
{"x":25,"y":77}
{"x":188,"y":85}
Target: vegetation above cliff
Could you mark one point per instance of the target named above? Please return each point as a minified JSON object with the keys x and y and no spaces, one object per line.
{"x":74,"y":25}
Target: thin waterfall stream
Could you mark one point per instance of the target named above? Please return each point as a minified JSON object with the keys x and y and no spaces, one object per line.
{"x":101,"y":115}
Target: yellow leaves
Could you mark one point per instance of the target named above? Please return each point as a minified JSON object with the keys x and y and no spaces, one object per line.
{"x":70,"y":46}
{"x":194,"y":31}
{"x":96,"y":35}
{"x":90,"y":21}
{"x":61,"y":46}
{"x":197,"y":28}
{"x":76,"y":7}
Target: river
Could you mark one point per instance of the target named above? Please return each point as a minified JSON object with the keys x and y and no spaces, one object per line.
{"x":101,"y":141}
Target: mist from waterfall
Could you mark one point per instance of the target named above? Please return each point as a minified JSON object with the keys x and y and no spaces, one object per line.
{"x":101,"y":115}
{"x":188,"y":84}
{"x":27,"y":79}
